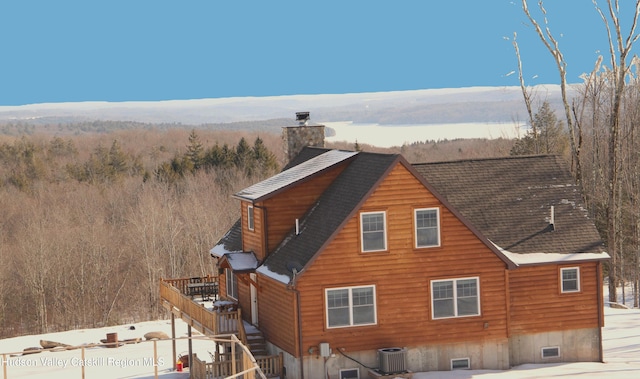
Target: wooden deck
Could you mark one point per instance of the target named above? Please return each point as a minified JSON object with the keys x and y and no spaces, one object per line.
{"x":176,"y":296}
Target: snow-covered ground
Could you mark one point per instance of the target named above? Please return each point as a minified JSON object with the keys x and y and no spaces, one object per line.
{"x":398,"y":135}
{"x":621,"y":350}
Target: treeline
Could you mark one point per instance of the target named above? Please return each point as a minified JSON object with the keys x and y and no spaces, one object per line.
{"x":59,"y":126}
{"x":90,"y":223}
{"x":24,"y":162}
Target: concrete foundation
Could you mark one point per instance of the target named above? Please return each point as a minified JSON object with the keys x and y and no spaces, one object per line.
{"x":487,"y":355}
{"x":581,"y":345}
{"x":578,"y":345}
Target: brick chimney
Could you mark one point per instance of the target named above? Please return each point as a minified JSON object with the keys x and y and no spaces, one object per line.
{"x":295,"y":138}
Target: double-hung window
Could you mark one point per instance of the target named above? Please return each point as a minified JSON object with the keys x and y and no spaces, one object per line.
{"x":570,"y":279}
{"x":373,"y":231}
{"x":350,"y":306}
{"x":250,"y":218}
{"x":427,"y":222}
{"x":232,"y":284}
{"x":455,"y":298}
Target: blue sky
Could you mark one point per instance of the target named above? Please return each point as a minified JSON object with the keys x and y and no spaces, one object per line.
{"x":143,"y":50}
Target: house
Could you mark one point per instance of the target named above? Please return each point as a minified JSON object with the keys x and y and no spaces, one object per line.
{"x":356,"y":263}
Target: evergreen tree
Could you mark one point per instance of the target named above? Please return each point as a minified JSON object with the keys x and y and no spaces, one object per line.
{"x":551,"y":136}
{"x":195,"y":151}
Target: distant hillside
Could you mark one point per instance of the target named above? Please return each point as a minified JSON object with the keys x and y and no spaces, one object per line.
{"x":476,"y":104}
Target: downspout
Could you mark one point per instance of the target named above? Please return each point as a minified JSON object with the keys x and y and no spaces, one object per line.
{"x":600,"y":310}
{"x":299,"y":316}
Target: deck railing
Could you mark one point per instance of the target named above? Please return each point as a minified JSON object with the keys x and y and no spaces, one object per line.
{"x":202,"y":319}
{"x":173,"y":294}
{"x":245,"y":366}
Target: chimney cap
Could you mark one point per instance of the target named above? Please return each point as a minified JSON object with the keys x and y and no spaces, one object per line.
{"x":302,"y":117}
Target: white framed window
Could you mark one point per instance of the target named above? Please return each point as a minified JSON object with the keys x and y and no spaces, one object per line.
{"x":349,"y":373}
{"x":232,"y":284}
{"x":427,"y":224}
{"x":570,"y":278}
{"x":373,"y":231}
{"x":350,"y":306}
{"x":455,"y":298}
{"x":461,"y":364}
{"x":550,"y":352}
{"x":250,"y":218}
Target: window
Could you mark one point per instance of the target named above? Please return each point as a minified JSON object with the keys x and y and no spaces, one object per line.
{"x":427,"y":227}
{"x":372,"y":225}
{"x":250,"y":219}
{"x":550,"y":352}
{"x":350,"y":373}
{"x":350,"y":306}
{"x":455,"y":298}
{"x":232,"y":284}
{"x":570,"y":279}
{"x":460,"y":364}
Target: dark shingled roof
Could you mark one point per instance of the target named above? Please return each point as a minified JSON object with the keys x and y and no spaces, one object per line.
{"x":231,"y":242}
{"x":333,"y":208}
{"x":506,"y":200}
{"x":509,"y":201}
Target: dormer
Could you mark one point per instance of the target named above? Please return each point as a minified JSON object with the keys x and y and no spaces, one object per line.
{"x":269,"y":209}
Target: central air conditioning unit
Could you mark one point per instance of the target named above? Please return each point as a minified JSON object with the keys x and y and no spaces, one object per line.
{"x":392,"y":360}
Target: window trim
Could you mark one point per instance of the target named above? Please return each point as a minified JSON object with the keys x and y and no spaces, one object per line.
{"x":415,"y":227}
{"x":455,"y":298}
{"x":466,"y":359}
{"x":550,"y":348}
{"x":562,"y":270}
{"x":348,"y":370}
{"x":231,"y":284}
{"x":351,"y":324}
{"x":251,"y":219}
{"x":384,"y":231}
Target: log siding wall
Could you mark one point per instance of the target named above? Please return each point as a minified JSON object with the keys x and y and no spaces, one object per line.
{"x":538,"y":304}
{"x":402,"y":277}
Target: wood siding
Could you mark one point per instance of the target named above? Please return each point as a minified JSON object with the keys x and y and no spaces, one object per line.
{"x":402,"y":277}
{"x":275,"y":217}
{"x":538,"y":304}
{"x":277,"y":317}
{"x":253,"y":240}
{"x":287,"y":206}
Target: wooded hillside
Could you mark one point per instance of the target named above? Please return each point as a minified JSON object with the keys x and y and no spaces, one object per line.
{"x":91,"y":221}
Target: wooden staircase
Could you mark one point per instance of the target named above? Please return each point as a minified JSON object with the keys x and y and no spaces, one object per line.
{"x":256,"y":342}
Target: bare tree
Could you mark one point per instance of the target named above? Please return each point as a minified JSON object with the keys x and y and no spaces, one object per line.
{"x":551,"y":43}
{"x":620,"y":46}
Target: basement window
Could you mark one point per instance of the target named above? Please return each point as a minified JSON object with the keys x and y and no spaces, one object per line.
{"x":461,"y":364}
{"x":350,"y":373}
{"x":550,"y":352}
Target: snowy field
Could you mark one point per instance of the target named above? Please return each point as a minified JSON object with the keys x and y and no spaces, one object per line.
{"x":397,"y":135}
{"x":621,"y":350}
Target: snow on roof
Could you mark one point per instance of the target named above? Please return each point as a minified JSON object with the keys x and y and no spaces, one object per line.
{"x":219,"y":250}
{"x":264,"y":270}
{"x":294,"y":174}
{"x":541,"y":258}
{"x":242,"y":261}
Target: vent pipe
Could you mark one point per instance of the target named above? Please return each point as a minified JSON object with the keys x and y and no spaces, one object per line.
{"x":297,"y":227}
{"x":552,"y":218}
